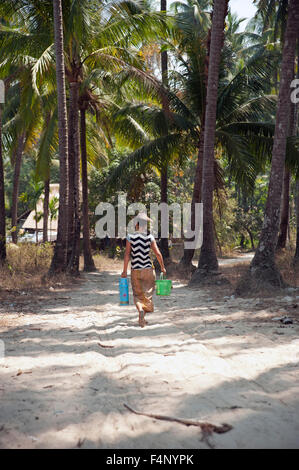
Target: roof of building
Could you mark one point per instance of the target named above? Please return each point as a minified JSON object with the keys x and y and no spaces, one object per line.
{"x":30,"y":222}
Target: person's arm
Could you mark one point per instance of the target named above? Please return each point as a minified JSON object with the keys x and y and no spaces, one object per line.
{"x":159,"y":256}
{"x":126,"y":259}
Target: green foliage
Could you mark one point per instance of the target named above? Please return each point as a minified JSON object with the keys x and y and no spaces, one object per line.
{"x":113,"y":50}
{"x":239,"y":215}
{"x":33,"y":193}
{"x":53,"y":208}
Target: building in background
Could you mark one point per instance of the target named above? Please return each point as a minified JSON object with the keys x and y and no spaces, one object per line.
{"x":30,"y":225}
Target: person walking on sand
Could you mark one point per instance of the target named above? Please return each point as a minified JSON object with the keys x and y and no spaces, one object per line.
{"x":143,"y":277}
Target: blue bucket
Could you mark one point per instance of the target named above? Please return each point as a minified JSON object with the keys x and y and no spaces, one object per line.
{"x":123,"y":285}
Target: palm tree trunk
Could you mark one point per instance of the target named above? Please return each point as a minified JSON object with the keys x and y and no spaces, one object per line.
{"x":2,"y":201}
{"x":16,"y":183}
{"x":165,"y":106}
{"x":74,"y":168}
{"x":186,"y":261}
{"x":285,"y":208}
{"x":284,"y":219}
{"x":208,"y":260}
{"x":60,"y":252}
{"x":36,"y":229}
{"x":164,"y":198}
{"x":46,"y":210}
{"x":71,"y":180}
{"x":88,"y":260}
{"x":296,"y":256}
{"x":263,"y":268}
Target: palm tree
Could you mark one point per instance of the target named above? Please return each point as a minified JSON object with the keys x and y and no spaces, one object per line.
{"x":85,"y":49}
{"x":296,"y":256}
{"x":274,"y":14}
{"x":285,"y":209}
{"x":193,"y":21}
{"x":164,"y":170}
{"x":242,"y":109}
{"x":285,"y":203}
{"x":263,"y":268}
{"x":74,"y":175}
{"x":242,"y":134}
{"x":94,"y":140}
{"x":60,"y":251}
{"x":16,"y":180}
{"x":2,"y":199}
{"x":20,"y":126}
{"x":46,"y":209}
{"x":88,"y":260}
{"x":95,"y":35}
{"x":195,"y":36}
{"x":293,"y":127}
{"x":208,"y":260}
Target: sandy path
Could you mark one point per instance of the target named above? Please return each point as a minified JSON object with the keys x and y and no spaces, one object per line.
{"x":244,"y":258}
{"x":220,"y":361}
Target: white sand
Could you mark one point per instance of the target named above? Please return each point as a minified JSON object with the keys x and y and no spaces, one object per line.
{"x":198,"y":359}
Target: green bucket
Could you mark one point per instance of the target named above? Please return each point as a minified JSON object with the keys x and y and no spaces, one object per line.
{"x":163,"y":286}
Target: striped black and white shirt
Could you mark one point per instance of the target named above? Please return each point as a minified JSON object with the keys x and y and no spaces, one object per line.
{"x":140,"y":249}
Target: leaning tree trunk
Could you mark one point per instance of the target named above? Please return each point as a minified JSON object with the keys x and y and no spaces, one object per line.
{"x":164,"y":171}
{"x":263,"y":270}
{"x":46,"y":210}
{"x":2,"y":201}
{"x":208,"y":260}
{"x":88,"y":260}
{"x":16,"y":184}
{"x":59,"y":261}
{"x":74,"y":168}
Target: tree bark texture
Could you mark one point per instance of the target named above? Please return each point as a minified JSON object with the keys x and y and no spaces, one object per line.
{"x":59,"y":261}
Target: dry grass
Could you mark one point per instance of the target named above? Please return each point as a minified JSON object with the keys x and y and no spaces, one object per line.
{"x":104,"y":263}
{"x":234,"y":272}
{"x":26,"y":266}
{"x":284,"y":262}
{"x":26,"y":269}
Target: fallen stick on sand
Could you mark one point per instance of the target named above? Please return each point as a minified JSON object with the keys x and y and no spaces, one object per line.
{"x":105,"y":345}
{"x":207,"y":428}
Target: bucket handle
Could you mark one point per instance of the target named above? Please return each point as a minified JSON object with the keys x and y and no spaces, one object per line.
{"x":161,"y":276}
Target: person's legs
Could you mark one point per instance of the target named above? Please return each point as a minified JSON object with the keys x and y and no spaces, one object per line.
{"x":138,"y":294}
{"x":147,"y":282}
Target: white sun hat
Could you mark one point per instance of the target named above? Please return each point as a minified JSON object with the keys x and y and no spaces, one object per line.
{"x":142,"y":217}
